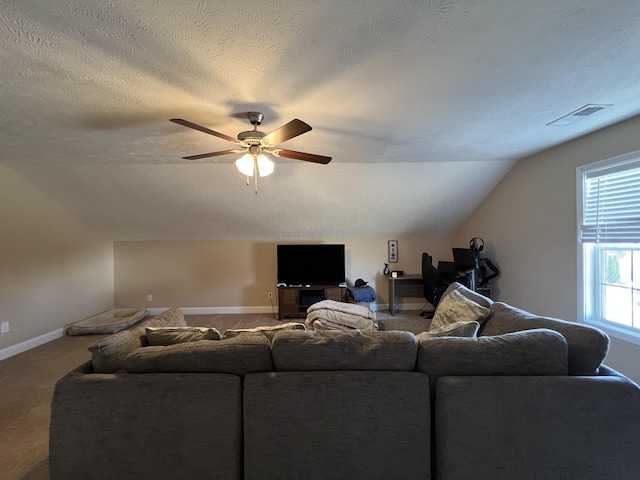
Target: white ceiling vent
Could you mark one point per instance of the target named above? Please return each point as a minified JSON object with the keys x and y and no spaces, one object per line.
{"x":578,"y":114}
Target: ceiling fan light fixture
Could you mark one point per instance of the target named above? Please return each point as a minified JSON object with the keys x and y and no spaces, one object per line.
{"x":254,"y":142}
{"x":246,"y":165}
{"x":265,"y":166}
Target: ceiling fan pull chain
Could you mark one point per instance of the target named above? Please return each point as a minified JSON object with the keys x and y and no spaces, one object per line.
{"x":256,"y":172}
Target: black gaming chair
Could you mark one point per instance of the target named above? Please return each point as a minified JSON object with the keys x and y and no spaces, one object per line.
{"x":433,"y":283}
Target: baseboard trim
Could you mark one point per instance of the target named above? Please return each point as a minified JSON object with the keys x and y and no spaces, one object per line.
{"x":29,"y":344}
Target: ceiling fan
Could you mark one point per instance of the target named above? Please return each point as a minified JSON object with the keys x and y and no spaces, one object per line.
{"x":254,"y":144}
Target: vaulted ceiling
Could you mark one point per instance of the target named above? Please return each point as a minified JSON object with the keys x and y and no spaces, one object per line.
{"x":423,"y":106}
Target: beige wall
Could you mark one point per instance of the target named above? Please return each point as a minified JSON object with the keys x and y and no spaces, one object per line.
{"x":529,"y":223}
{"x":53,"y":270}
{"x":240,"y":273}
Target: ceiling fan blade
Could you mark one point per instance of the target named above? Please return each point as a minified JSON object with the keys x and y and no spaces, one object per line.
{"x":307,"y":157}
{"x":212,"y":154}
{"x":195,"y":126}
{"x":286,"y":132}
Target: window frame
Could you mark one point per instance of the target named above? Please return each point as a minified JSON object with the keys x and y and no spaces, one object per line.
{"x":588,"y":254}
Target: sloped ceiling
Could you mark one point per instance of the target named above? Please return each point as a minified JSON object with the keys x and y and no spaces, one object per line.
{"x":423,"y":105}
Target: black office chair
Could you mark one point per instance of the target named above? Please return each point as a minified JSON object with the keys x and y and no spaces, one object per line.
{"x":433,"y":283}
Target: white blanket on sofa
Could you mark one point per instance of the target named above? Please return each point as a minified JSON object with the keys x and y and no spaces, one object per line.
{"x":332,"y":315}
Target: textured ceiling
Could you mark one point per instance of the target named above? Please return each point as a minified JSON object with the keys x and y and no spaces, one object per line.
{"x":423,"y":105}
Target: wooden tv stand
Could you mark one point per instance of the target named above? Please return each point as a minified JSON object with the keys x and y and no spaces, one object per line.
{"x":294,"y":301}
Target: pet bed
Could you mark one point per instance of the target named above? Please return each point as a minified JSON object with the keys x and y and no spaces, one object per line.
{"x":111,"y":321}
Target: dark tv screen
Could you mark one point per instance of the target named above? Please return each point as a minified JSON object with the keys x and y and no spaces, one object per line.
{"x":311,"y":264}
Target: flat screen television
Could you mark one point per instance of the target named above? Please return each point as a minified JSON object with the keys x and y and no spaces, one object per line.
{"x":310,"y":264}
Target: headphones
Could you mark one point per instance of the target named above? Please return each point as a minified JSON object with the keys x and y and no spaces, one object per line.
{"x":473,"y":245}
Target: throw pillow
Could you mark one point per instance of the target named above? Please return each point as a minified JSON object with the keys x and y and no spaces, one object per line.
{"x":267,"y":331}
{"x":162,"y":336}
{"x":327,"y":350}
{"x":455,"y":307}
{"x":470,"y":294}
{"x":455,"y":329}
{"x":534,"y":352}
{"x":238,"y":356}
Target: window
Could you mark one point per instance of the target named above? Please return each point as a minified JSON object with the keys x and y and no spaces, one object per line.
{"x":609,"y":245}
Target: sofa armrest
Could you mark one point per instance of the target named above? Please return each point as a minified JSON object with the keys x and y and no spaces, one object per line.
{"x":537,"y":427}
{"x":82,"y":369}
{"x":318,"y":425}
{"x":587,"y":345}
{"x":607,"y":371}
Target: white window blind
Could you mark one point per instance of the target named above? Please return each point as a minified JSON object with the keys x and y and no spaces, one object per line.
{"x":611,"y":204}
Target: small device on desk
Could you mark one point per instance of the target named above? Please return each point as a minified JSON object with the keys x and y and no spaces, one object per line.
{"x":465,"y":261}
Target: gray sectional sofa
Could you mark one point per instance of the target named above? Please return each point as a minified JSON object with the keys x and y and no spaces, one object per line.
{"x":523,"y":397}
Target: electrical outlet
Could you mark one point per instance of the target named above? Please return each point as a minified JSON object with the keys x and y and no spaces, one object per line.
{"x":270,"y":295}
{"x":149,"y":297}
{"x":4,"y":328}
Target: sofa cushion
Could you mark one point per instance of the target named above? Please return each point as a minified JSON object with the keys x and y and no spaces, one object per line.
{"x":337,"y":426}
{"x":162,"y":336}
{"x":587,"y":346}
{"x":238,"y":355}
{"x":455,"y":307}
{"x":467,"y":292}
{"x":455,"y":329}
{"x":267,"y":331}
{"x":536,"y":428}
{"x":534,"y":352}
{"x":108,"y":354}
{"x":344,"y":350}
{"x":174,"y":426}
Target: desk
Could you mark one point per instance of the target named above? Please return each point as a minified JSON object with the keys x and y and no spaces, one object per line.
{"x":403,"y":283}
{"x":486,"y":291}
{"x":411,"y":283}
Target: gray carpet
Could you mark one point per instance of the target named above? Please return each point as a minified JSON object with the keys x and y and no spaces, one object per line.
{"x":28,"y":380}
